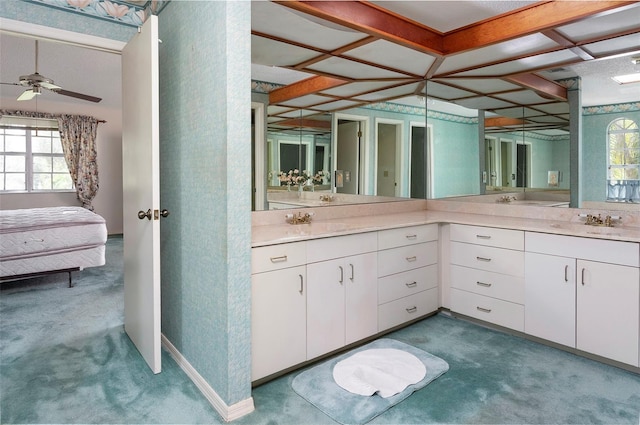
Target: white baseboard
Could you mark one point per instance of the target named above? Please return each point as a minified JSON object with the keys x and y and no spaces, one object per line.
{"x":228,"y":413}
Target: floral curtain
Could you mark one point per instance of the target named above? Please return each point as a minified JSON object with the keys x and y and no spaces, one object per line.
{"x":78,"y":139}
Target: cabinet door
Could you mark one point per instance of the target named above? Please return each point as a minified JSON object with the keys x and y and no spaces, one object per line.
{"x":325,"y":307}
{"x":608,"y":316}
{"x":550,"y":293}
{"x":361,"y":306}
{"x":278,"y":312}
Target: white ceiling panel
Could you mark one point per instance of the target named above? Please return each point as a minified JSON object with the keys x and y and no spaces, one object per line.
{"x":590,"y":29}
{"x":268,"y":52}
{"x":517,"y":112}
{"x":615,"y":45}
{"x":554,"y":108}
{"x":391,"y":55}
{"x":340,"y":104}
{"x":445,"y":16}
{"x":275,"y":109}
{"x":497,"y":52}
{"x":546,"y":60}
{"x":486,"y":85}
{"x":303,"y":101}
{"x":548,"y":119}
{"x":351,"y":69}
{"x":444,"y":91}
{"x":394,"y":92}
{"x":483,"y":103}
{"x":282,"y":22}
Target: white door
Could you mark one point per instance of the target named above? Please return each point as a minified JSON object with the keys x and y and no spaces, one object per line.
{"x":348,"y":153}
{"x":141,"y":192}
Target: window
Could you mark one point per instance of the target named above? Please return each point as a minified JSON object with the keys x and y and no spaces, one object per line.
{"x":32,"y":161}
{"x":623,"y":160}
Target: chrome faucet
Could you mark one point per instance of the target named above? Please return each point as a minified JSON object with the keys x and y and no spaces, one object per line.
{"x":298,"y":218}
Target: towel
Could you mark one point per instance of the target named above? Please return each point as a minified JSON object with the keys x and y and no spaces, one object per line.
{"x":385,"y":371}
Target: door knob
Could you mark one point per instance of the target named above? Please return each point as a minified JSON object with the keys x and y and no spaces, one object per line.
{"x":142,"y":214}
{"x":164,"y":213}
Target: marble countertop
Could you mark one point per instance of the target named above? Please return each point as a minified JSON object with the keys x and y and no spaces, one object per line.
{"x":271,"y":234}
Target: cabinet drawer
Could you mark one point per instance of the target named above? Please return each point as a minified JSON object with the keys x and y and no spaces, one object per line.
{"x":605,"y":251}
{"x":487,"y":258}
{"x":488,"y":236}
{"x":274,"y":257}
{"x":396,"y":260}
{"x":408,"y":308}
{"x":407,"y":283}
{"x":502,"y":313}
{"x":394,"y":238}
{"x":496,"y":285}
{"x":341,"y":246}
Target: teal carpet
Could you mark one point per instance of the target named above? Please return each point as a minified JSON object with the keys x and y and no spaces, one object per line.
{"x":64,"y":358}
{"x":316,"y":385}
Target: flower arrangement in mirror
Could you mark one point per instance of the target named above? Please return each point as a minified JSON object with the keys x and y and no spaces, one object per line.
{"x":293,"y":177}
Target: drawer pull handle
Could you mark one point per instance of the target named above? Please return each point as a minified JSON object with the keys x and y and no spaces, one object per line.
{"x":484,"y":310}
{"x":412,"y":309}
{"x":483,"y":236}
{"x":412,"y":284}
{"x":341,"y":275}
{"x":486,"y":285}
{"x":352,"y":273}
{"x":411,"y":259}
{"x":280,"y":259}
{"x":566,"y":271}
{"x":411,"y":236}
{"x":583,"y":277}
{"x":483,"y":259}
{"x":301,"y":285}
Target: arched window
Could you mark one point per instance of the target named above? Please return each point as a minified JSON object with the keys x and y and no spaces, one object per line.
{"x":623,"y":161}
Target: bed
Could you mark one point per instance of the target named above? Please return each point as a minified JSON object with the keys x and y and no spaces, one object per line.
{"x":38,"y":241}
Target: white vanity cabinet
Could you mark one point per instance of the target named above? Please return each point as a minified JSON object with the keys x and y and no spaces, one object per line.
{"x":342,"y":295}
{"x":407,"y":274}
{"x":487,"y":274}
{"x":278,"y":308}
{"x":584,"y":293}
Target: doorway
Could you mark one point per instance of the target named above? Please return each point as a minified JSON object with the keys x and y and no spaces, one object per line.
{"x":506,"y":175}
{"x":388,"y":157}
{"x":420,"y":161}
{"x":349,"y":145}
{"x":523,"y":165}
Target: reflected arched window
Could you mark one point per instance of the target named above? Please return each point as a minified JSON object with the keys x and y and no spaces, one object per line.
{"x":623,"y":161}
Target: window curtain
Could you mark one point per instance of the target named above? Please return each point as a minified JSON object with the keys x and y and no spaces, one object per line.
{"x":623,"y":190}
{"x":78,"y":139}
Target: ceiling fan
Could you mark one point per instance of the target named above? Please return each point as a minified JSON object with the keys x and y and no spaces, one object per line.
{"x":36,"y":82}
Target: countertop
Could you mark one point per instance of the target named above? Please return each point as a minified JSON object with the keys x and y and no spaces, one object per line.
{"x":272,"y":234}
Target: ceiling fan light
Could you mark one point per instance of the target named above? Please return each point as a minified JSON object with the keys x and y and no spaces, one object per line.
{"x":627,"y":78}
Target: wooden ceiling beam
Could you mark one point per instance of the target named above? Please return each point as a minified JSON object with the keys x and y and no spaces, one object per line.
{"x":303,"y":88}
{"x":538,"y":17}
{"x":542,"y":86}
{"x":306,"y":123}
{"x":372,"y":20}
{"x":502,"y":122}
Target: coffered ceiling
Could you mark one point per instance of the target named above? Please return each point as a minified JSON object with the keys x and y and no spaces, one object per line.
{"x":500,"y":56}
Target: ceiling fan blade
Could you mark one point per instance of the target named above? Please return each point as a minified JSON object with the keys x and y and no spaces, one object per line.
{"x":49,"y":86}
{"x":77,"y":95}
{"x":28,"y":94}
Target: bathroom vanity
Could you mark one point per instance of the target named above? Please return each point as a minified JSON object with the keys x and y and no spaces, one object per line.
{"x":355,"y":273}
